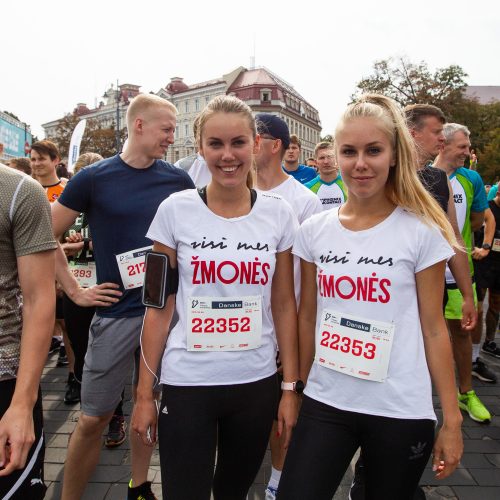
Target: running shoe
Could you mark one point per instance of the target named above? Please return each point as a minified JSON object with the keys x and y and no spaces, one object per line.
{"x":72,"y":394}
{"x":470,"y":403}
{"x":141,"y":492}
{"x":491,"y":348}
{"x":357,"y":491}
{"x":271,"y":493}
{"x":116,"y":432}
{"x":54,"y":344}
{"x":62,"y":359}
{"x":481,"y":371}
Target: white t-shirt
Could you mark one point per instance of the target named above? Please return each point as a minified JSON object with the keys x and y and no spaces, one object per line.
{"x":205,"y":241}
{"x":199,"y":172}
{"x":304,"y":203}
{"x":374,"y":271}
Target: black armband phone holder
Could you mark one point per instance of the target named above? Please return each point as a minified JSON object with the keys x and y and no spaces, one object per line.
{"x":160,"y":280}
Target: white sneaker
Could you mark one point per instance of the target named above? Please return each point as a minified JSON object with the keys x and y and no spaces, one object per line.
{"x":271,"y":493}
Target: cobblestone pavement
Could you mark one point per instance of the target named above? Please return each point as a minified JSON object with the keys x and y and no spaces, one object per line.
{"x":477,"y":478}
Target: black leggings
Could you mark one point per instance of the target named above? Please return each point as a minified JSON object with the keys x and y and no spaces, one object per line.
{"x":196,"y":422}
{"x":395,"y":452}
{"x":77,"y":320}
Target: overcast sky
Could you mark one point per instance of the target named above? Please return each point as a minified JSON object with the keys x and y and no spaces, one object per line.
{"x":56,"y":53}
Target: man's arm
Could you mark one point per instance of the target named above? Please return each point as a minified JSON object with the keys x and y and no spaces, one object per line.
{"x":459,"y":267}
{"x":104,"y":294}
{"x":476,"y":220}
{"x":36,"y":279}
{"x":489,"y":233}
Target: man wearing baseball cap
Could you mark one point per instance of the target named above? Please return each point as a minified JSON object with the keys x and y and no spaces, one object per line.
{"x":275,"y":140}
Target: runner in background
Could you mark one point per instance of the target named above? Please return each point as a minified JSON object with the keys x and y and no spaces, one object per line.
{"x":119,"y":196}
{"x":232,"y":246}
{"x":79,"y":250}
{"x":21,"y":164}
{"x":470,"y":203}
{"x":372,"y":284}
{"x":270,"y":177}
{"x":291,"y":162}
{"x":328,"y":185}
{"x":45,"y":158}
{"x":311,"y":162}
{"x":486,"y":255}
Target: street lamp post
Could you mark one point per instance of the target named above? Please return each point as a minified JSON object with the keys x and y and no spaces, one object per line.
{"x":117,"y":138}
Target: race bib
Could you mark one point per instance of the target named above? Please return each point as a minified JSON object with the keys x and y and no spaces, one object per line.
{"x":356,"y":346}
{"x":84,"y":272}
{"x":131,"y":266}
{"x":224,"y":324}
{"x":496,"y":245}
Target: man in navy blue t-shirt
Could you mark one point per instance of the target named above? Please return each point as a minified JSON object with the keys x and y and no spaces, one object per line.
{"x":120,"y":196}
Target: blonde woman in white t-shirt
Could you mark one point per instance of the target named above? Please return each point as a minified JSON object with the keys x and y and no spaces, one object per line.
{"x":235,"y":301}
{"x":370,"y":316}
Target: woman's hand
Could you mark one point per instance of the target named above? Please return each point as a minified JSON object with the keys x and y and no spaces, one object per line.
{"x":287,"y":416}
{"x":448,"y":450}
{"x":145,"y":419}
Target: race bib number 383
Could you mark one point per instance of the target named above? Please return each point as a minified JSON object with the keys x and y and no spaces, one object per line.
{"x":224,"y":323}
{"x":356,"y":346}
{"x":131,"y":266}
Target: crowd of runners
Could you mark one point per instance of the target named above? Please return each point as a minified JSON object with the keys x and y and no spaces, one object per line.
{"x":309,"y":308}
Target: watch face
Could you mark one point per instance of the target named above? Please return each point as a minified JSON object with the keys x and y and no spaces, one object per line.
{"x":299,"y":387}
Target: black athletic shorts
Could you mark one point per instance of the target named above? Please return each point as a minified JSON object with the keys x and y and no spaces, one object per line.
{"x":27,"y":483}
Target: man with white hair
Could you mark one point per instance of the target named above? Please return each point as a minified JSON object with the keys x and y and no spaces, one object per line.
{"x":120,"y":196}
{"x":470,"y":203}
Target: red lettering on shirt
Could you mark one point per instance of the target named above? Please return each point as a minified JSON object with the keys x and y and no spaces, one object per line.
{"x":228,"y":272}
{"x":363,"y":289}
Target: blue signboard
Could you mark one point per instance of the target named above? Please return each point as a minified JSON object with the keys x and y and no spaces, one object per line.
{"x":13,"y":136}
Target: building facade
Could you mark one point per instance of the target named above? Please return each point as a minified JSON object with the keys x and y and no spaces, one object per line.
{"x":108,"y":113}
{"x":260,"y":88}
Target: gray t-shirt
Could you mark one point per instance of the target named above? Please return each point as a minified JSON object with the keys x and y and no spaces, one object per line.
{"x":25,"y":228}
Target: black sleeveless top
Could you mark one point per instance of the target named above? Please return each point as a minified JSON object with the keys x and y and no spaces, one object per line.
{"x":436,"y":182}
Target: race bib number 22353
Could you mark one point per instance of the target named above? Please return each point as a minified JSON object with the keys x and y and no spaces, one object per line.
{"x":358,"y":347}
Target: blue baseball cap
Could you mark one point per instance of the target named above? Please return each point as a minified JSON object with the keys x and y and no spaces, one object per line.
{"x":273,"y":126}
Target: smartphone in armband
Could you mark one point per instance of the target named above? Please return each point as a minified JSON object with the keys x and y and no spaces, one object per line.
{"x":155,"y":279}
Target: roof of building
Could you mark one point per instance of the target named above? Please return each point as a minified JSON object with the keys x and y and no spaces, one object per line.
{"x":263,"y":76}
{"x":176,"y":85}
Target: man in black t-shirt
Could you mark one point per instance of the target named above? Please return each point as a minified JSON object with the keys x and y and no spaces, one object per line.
{"x":486,"y":255}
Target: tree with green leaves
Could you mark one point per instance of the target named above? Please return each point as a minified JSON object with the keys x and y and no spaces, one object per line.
{"x":410,"y":83}
{"x":95,"y":138}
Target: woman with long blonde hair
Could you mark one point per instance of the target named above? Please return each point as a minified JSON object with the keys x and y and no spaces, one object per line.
{"x":370,"y":317}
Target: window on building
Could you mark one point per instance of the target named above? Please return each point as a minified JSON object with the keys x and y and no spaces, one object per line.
{"x":186,"y":106}
{"x":197,"y":105}
{"x":186,"y":129}
{"x":265,"y":96}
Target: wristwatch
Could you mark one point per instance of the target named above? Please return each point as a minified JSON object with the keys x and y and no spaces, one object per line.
{"x":297,"y":386}
{"x":486,"y":246}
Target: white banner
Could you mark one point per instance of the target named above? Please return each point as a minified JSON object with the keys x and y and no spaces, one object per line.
{"x":74,"y":145}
